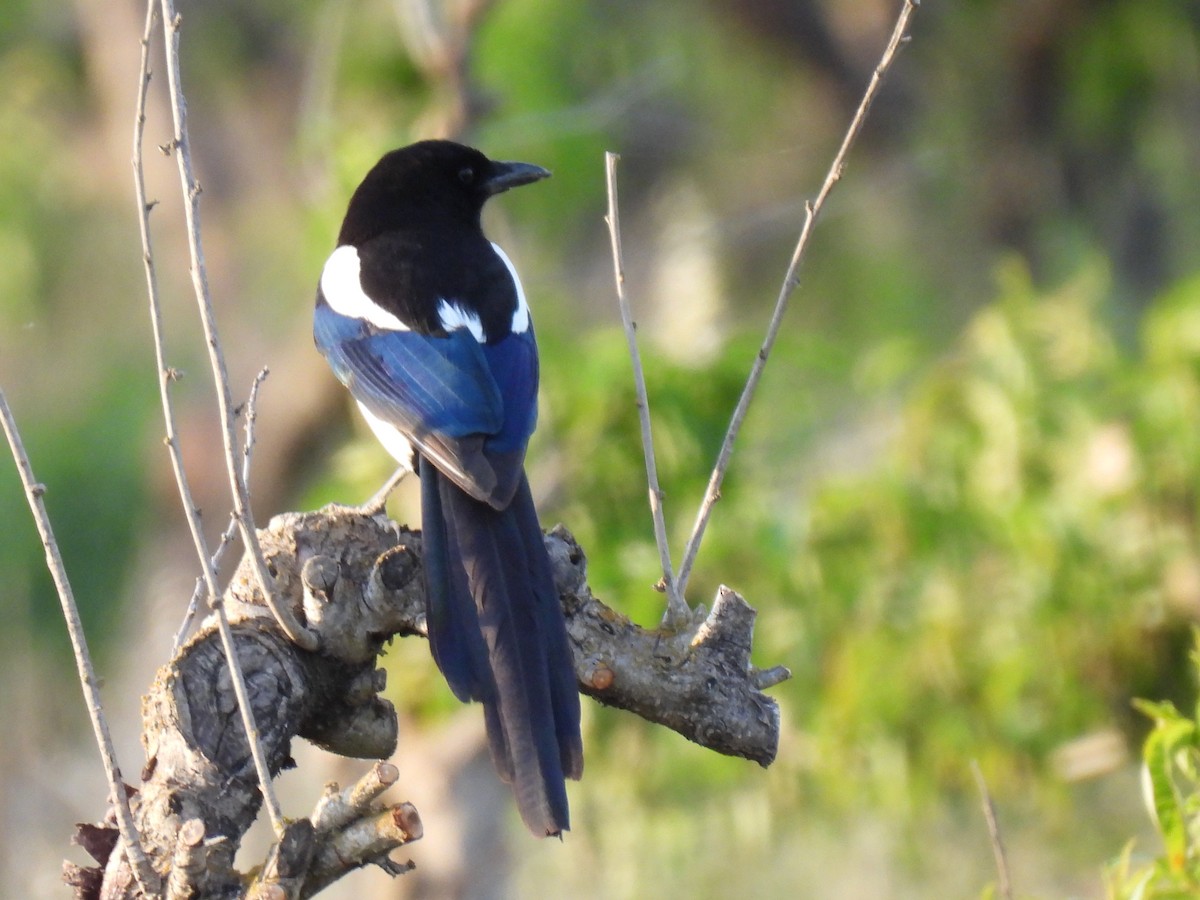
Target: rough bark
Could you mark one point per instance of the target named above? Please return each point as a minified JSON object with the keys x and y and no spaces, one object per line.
{"x":355,"y":579}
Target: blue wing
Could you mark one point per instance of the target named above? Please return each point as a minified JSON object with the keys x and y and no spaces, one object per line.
{"x":469,"y":407}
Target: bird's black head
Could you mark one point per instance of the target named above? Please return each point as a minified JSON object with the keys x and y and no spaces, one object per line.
{"x":430,"y":184}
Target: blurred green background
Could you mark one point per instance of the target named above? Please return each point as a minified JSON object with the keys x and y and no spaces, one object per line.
{"x":965,"y":502}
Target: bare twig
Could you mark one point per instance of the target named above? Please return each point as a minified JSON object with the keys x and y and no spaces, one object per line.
{"x":165,"y":376}
{"x":230,"y":531}
{"x":380,"y":498}
{"x":191,"y":207}
{"x":118,"y":798}
{"x":993,"y":826}
{"x":677,"y":608}
{"x":812,"y":209}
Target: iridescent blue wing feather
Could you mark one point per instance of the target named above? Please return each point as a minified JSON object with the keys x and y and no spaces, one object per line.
{"x":470,"y":407}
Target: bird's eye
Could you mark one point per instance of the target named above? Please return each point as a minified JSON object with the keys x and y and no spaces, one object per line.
{"x":467,"y":175}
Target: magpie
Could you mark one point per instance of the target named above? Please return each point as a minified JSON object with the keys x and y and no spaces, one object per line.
{"x":426,"y":322}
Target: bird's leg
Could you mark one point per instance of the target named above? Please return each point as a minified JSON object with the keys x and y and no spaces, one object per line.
{"x":375,"y":505}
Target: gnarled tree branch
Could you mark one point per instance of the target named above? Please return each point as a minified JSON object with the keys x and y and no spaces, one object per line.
{"x":355,"y":580}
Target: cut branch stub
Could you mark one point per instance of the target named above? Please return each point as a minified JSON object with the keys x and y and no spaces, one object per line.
{"x":698,"y":681}
{"x":353,"y":580}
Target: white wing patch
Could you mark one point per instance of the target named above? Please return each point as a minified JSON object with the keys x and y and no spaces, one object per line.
{"x":453,"y":317}
{"x":342,"y":287}
{"x":520,"y":319}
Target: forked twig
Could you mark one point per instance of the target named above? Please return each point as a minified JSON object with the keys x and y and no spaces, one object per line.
{"x":811,"y":210}
{"x":146,"y":877}
{"x":191,"y":208}
{"x":677,"y":608}
{"x":230,"y":531}
{"x":166,"y":375}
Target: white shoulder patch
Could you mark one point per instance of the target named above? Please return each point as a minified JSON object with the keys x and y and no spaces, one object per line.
{"x":520,"y":319}
{"x":453,"y":317}
{"x":342,"y":287}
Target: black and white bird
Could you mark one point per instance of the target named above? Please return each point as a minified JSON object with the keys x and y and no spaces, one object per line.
{"x":425,"y":321}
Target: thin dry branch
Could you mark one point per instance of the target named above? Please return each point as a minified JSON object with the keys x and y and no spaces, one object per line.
{"x":678,"y":611}
{"x":165,"y":376}
{"x":1004,"y":885}
{"x":230,"y":531}
{"x":181,"y":145}
{"x":791,"y":279}
{"x":118,"y":796}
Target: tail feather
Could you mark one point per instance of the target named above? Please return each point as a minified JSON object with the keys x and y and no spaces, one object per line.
{"x":453,"y":625}
{"x":497,"y":633}
{"x":564,"y":692}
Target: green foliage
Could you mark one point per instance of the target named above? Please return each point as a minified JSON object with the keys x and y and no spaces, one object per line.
{"x":1010,"y":575}
{"x":81,"y":405}
{"x":1171,"y":755}
{"x":95,"y":500}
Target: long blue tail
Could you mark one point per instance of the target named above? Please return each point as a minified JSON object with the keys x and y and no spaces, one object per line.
{"x":497,"y":633}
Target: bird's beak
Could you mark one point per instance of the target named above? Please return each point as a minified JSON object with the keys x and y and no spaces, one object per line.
{"x":507,"y":175}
